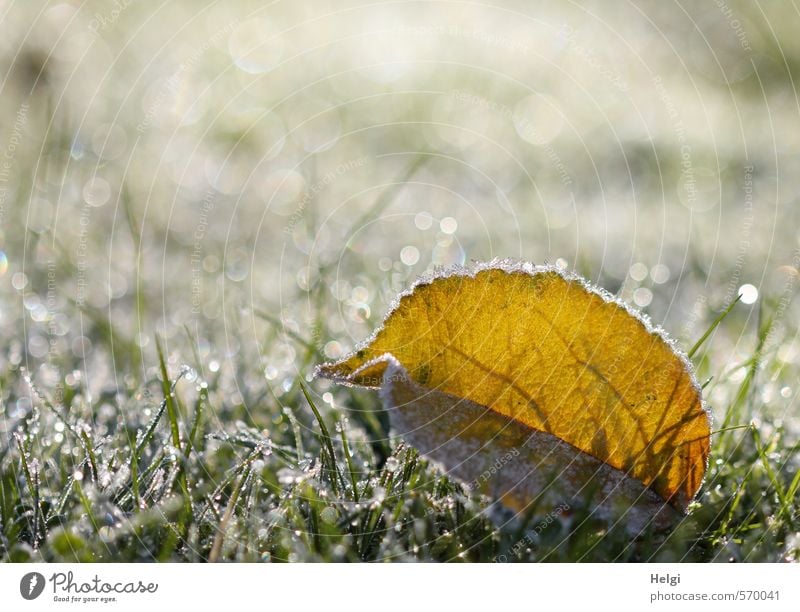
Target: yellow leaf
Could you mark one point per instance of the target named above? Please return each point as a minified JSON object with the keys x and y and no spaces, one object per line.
{"x":515,"y":356}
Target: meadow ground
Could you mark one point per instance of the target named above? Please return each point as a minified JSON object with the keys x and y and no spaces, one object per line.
{"x":199,"y":203}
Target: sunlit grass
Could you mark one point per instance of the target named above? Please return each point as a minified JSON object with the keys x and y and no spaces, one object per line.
{"x":156,"y":474}
{"x":187,"y":229}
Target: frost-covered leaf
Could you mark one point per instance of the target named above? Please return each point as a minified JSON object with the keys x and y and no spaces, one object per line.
{"x":474,"y":364}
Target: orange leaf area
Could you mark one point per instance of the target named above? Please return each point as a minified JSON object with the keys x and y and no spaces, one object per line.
{"x":543,"y":354}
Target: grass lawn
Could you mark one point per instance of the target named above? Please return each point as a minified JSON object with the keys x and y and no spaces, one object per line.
{"x":174,"y":470}
{"x":201,"y":202}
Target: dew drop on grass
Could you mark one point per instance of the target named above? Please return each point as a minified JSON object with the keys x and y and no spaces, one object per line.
{"x":329,"y":515}
{"x":106,"y":534}
{"x":392,"y":464}
{"x":749,"y":293}
{"x":188,"y":373}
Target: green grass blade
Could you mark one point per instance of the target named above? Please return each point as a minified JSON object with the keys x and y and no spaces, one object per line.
{"x":168,"y":397}
{"x":336,"y":476}
{"x":712,"y":327}
{"x":349,"y":461}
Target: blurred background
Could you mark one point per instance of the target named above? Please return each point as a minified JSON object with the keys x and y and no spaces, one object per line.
{"x":265,"y":178}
